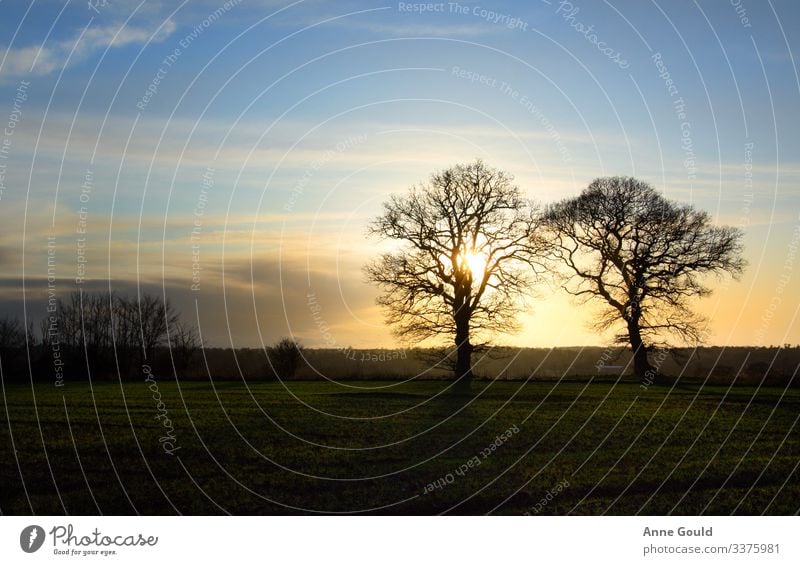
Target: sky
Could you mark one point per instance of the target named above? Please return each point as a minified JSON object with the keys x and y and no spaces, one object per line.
{"x":230,"y":155}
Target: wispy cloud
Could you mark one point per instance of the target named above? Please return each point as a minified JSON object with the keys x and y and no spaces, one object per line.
{"x":418,"y":29}
{"x":44,"y":59}
{"x":365,"y":22}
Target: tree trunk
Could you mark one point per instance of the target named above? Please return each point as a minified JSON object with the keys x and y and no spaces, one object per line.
{"x":642,"y":369}
{"x":463,"y":352}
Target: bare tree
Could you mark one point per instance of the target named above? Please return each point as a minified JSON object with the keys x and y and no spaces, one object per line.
{"x":144,"y":322}
{"x":68,"y":314}
{"x":184,"y":345}
{"x":95,"y":315}
{"x":644,"y":257}
{"x":468,"y":242}
{"x":12,"y":344}
{"x":106,"y":332}
{"x":12,"y":335}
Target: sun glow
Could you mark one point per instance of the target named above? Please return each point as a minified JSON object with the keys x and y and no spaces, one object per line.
{"x":476,"y":262}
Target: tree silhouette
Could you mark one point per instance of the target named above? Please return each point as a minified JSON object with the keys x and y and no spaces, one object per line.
{"x":644,"y":257}
{"x":184,"y":344}
{"x":12,"y":334}
{"x":107,"y":333}
{"x":12,"y":345}
{"x":468,"y":240}
{"x":285,"y":358}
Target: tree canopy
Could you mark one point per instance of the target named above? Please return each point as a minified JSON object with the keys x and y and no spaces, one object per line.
{"x":468,"y":240}
{"x":643,"y":257}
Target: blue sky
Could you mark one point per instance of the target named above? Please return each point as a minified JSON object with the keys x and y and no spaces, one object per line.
{"x":310,"y":114}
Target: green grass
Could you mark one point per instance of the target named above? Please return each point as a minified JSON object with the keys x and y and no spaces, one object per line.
{"x":257,"y":448}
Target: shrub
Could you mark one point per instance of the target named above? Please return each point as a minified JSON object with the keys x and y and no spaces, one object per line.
{"x":285,"y":358}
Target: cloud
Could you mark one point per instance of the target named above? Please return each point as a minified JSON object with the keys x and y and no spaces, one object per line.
{"x":19,"y":61}
{"x":100,"y":37}
{"x":418,"y":29}
{"x":45,"y":59}
{"x":262,"y":299}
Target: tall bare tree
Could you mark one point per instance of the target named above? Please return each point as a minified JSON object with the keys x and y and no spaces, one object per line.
{"x":468,"y":240}
{"x":644,"y":257}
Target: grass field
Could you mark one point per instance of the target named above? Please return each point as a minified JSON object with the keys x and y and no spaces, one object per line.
{"x":399,"y":448}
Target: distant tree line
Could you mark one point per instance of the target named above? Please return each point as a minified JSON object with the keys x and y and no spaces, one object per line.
{"x":108,"y":336}
{"x":746,"y":366}
{"x":102,"y":336}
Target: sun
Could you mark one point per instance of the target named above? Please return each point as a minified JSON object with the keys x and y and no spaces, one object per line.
{"x":476,"y":262}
